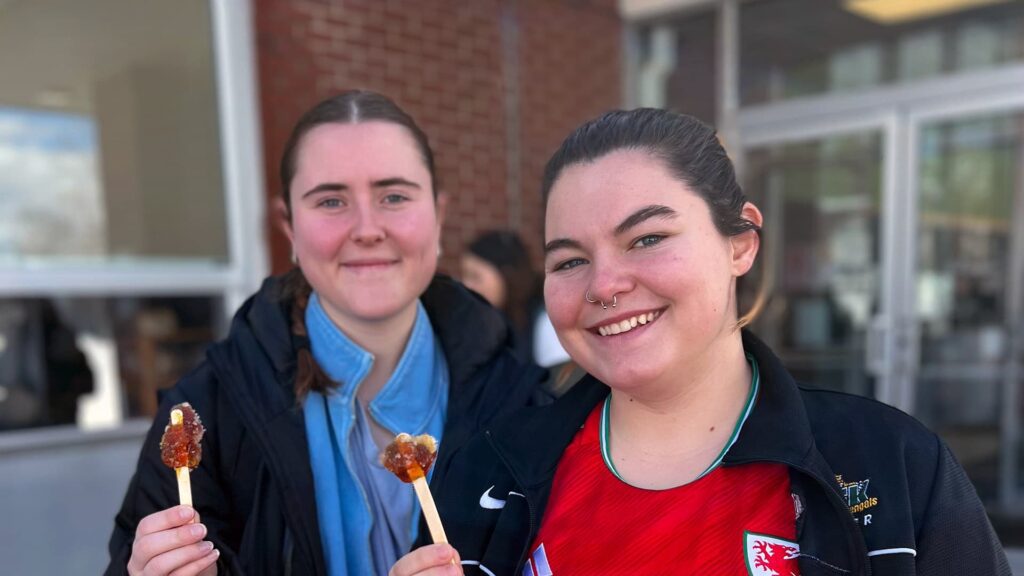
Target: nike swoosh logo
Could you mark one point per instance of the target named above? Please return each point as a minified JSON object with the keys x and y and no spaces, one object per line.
{"x":489,"y":502}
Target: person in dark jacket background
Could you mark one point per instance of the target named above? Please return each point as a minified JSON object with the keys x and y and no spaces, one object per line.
{"x":688,"y":448}
{"x":323,"y":366}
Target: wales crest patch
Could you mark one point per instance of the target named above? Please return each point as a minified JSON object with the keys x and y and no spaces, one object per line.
{"x":770,"y":556}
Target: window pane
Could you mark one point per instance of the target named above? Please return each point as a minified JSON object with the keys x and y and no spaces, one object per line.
{"x":96,"y":361}
{"x":792,"y":48}
{"x":968,"y":299}
{"x":109,"y":147}
{"x":677,"y":66}
{"x":822,"y":247}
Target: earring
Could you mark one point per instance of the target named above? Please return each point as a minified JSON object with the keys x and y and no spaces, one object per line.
{"x":295,"y":258}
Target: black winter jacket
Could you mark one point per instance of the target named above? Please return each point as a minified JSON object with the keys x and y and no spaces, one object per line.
{"x":907,"y":507}
{"x":254,"y":486}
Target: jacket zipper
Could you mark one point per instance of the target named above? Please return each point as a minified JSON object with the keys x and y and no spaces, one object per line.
{"x":837,"y":505}
{"x":530,"y":507}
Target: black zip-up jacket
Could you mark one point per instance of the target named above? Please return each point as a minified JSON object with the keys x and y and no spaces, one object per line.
{"x":254,"y":486}
{"x":907,"y":507}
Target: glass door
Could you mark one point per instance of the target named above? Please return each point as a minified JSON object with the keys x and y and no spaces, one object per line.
{"x":968,"y":296}
{"x":823,"y":252}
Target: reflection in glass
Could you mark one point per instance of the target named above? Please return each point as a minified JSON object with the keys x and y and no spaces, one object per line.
{"x":794,"y":48}
{"x":109,"y":143}
{"x":970,"y":184}
{"x":57,"y":356}
{"x":821,"y":245}
{"x":677,"y":65}
{"x":50,"y":197}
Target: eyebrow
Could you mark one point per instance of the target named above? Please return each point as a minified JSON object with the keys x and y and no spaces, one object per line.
{"x":644,"y":214}
{"x":339,"y":187}
{"x":633,"y":220}
{"x":561,"y":243}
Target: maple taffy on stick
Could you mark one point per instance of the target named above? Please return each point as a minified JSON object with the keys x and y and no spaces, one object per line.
{"x":410,"y":458}
{"x":180,"y":447}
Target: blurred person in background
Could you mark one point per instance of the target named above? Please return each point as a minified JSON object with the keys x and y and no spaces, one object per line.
{"x":688,"y":448}
{"x":43,"y":372}
{"x":497,"y":266}
{"x":323,"y":367}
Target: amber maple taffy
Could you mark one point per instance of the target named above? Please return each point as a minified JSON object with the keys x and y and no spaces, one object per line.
{"x":180,"y":447}
{"x":410,"y":459}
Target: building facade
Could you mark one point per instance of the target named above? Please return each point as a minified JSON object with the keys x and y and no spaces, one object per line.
{"x":884,"y":142}
{"x":139,"y":150}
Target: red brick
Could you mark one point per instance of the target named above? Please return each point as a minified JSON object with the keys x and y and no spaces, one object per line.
{"x":443,"y":60}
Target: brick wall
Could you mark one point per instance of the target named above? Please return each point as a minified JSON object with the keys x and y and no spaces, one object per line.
{"x":496,"y":85}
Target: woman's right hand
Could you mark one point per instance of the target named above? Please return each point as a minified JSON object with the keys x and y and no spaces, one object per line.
{"x":171,"y":542}
{"x":433,"y":560}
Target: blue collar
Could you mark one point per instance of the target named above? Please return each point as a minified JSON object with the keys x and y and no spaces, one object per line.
{"x":414,"y":399}
{"x":413,"y":393}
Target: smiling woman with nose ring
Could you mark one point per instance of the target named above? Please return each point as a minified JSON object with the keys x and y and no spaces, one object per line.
{"x":324,"y":366}
{"x":689,"y":448}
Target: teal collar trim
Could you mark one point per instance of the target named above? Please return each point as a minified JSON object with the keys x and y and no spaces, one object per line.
{"x":604,"y":435}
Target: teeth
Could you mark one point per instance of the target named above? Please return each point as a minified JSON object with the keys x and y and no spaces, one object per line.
{"x":626,"y":325}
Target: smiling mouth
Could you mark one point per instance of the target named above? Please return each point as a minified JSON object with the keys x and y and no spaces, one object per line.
{"x":622,"y":326}
{"x":368,"y":264}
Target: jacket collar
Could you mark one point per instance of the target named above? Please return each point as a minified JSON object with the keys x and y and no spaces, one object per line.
{"x":776,"y":430}
{"x":261,"y":337}
{"x":471,"y":332}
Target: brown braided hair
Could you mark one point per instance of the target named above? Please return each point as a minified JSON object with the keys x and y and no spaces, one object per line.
{"x":351,"y":107}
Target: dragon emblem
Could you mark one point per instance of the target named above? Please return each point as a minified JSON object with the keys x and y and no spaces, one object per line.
{"x":771,"y":556}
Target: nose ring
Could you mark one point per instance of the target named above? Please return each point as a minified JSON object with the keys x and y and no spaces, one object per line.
{"x":615,"y":300}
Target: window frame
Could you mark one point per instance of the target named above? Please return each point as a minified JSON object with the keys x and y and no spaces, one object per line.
{"x":234,"y":55}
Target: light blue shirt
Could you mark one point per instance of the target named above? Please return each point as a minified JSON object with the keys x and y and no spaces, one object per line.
{"x":368,"y":518}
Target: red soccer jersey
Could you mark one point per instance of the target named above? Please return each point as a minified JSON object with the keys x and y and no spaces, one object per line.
{"x":734,"y":520}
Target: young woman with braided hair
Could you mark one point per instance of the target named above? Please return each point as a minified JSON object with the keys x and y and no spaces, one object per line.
{"x":322,"y":367}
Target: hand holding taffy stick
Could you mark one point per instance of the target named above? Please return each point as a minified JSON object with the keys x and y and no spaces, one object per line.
{"x":410,"y":459}
{"x":180,"y":447}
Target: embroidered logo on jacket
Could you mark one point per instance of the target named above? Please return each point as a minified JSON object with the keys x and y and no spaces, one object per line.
{"x":770,"y":556}
{"x":856,"y":494}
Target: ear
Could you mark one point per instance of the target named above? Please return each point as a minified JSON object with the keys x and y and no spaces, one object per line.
{"x":283,"y":221}
{"x":746,"y":245}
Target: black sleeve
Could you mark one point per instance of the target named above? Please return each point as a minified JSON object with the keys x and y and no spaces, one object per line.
{"x":955,"y":536}
{"x":154,"y":486}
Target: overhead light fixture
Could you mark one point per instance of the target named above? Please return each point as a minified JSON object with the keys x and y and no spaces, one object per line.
{"x":900,"y":11}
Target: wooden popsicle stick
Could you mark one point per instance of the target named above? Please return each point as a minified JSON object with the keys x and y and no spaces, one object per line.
{"x":429,"y":510}
{"x":184,"y":484}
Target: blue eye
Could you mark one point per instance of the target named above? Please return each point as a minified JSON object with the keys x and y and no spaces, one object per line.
{"x":569,"y":264}
{"x":648,"y":241}
{"x":395,"y":199}
{"x":330,"y":203}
